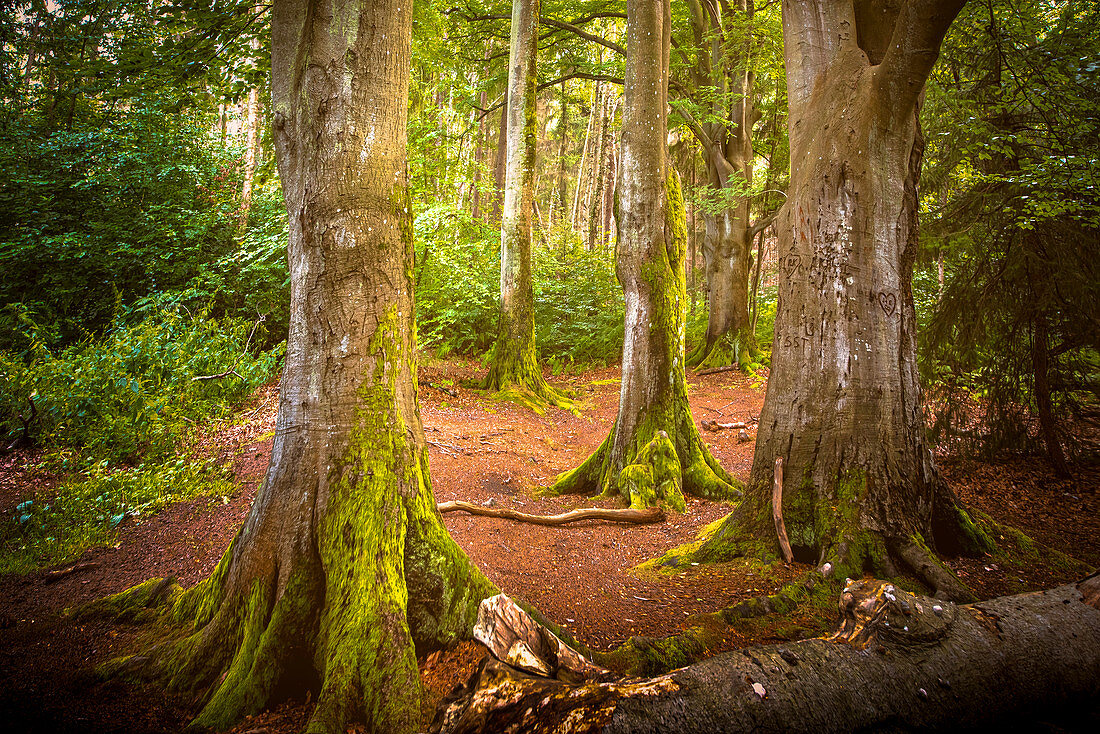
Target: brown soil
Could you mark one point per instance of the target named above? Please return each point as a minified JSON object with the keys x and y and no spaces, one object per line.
{"x":482,"y":451}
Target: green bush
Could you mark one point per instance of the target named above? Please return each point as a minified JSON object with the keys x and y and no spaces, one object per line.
{"x":56,"y":527}
{"x":132,"y":391}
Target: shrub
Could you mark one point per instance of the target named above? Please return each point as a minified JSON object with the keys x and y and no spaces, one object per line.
{"x":132,"y":391}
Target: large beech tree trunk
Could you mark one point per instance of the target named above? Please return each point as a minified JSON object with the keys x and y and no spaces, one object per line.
{"x":514,"y":370}
{"x":343,"y":568}
{"x":843,"y":407}
{"x":654,"y":450}
{"x":897,"y":662}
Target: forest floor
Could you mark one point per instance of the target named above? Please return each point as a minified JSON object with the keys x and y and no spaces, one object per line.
{"x":482,"y":451}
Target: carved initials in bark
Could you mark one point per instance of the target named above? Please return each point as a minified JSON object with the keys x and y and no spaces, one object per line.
{"x":888,"y":302}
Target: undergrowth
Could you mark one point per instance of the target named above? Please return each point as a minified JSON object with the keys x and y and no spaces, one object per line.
{"x":56,"y":526}
{"x":112,"y":413}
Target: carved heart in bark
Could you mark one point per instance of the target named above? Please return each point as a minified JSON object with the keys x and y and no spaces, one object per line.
{"x":791,"y":263}
{"x":889,"y":303}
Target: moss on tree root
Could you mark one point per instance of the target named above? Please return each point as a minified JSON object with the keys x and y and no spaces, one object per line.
{"x":730,"y":349}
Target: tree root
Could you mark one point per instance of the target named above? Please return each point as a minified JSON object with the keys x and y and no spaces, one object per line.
{"x":659,"y":472}
{"x":629,"y":515}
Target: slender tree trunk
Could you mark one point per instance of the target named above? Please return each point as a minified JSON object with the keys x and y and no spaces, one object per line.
{"x":343,"y":568}
{"x":563,"y":179}
{"x":654,"y":451}
{"x":252,"y":144}
{"x":843,"y":406}
{"x":514,"y":370}
{"x":499,"y":163}
{"x":1048,"y":426}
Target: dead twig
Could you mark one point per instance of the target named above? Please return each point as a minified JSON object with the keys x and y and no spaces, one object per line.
{"x":233,"y":370}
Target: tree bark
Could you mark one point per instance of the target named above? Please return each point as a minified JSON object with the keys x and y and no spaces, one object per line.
{"x":252,"y":144}
{"x":897,"y":662}
{"x":514,"y":370}
{"x":843,"y":406}
{"x":726,"y":143}
{"x":343,"y":568}
{"x":654,"y":450}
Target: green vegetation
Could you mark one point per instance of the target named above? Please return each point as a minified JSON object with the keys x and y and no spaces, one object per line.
{"x":57,"y":526}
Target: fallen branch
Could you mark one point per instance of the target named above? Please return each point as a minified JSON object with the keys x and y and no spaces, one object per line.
{"x":716,"y":370}
{"x":54,"y":576}
{"x":716,"y":426}
{"x":777,"y":511}
{"x":628,"y":515}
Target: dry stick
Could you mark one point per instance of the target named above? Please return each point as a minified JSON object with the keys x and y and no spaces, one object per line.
{"x":52,"y":576}
{"x":716,"y":370}
{"x":233,"y":370}
{"x":637,"y":517}
{"x":716,"y":426}
{"x":777,"y":510}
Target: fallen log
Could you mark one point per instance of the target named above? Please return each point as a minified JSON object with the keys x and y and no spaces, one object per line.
{"x":897,"y":661}
{"x":628,"y":515}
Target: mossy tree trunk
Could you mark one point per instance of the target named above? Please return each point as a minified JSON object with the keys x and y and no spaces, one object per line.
{"x":343,"y":568}
{"x":654,"y":449}
{"x":723,"y":65}
{"x":843,"y":407}
{"x":514,"y":370}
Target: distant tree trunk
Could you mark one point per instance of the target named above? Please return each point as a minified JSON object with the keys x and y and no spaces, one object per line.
{"x":843,"y":406}
{"x":514,"y":369}
{"x":476,"y":205}
{"x":499,"y":163}
{"x":654,"y":450}
{"x":726,"y":143}
{"x":1048,"y":425}
{"x":252,"y":145}
{"x":343,"y":568}
{"x":563,"y":179}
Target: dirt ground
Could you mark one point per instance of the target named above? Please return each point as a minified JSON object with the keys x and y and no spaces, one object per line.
{"x":482,"y":451}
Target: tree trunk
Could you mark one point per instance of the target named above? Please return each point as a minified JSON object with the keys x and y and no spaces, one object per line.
{"x":843,"y":406}
{"x":252,"y":144}
{"x":728,"y":153}
{"x":654,"y":450}
{"x":514,"y":370}
{"x":897,"y":662}
{"x":343,"y":568}
{"x":499,"y":163}
{"x":563,"y":179}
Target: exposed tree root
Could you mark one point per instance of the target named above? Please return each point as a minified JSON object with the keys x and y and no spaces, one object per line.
{"x":739,"y":351}
{"x":658,"y":471}
{"x":631,"y":515}
{"x":532,"y":391}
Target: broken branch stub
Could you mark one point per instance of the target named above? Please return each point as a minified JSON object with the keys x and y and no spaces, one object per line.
{"x":514,"y":637}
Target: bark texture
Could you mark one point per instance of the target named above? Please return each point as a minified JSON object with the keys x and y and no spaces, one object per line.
{"x":343,"y":567}
{"x":514,"y":371}
{"x":843,"y":407}
{"x":897,"y":662}
{"x":723,"y":64}
{"x":654,"y":450}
